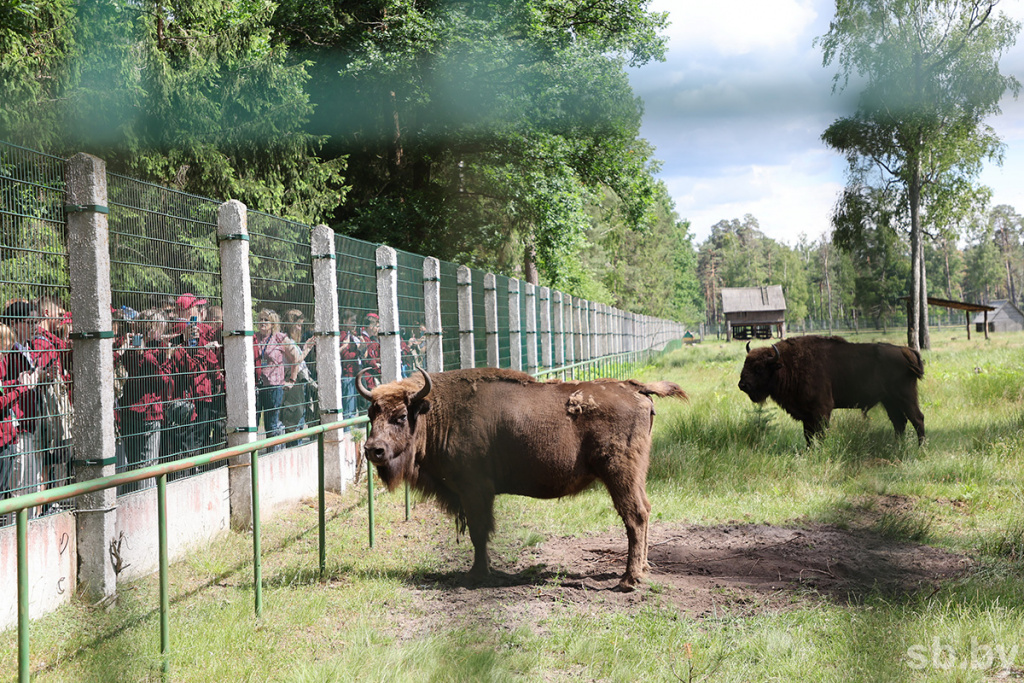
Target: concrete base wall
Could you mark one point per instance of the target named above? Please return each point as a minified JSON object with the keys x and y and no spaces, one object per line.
{"x":52,"y":566}
{"x":197,"y":512}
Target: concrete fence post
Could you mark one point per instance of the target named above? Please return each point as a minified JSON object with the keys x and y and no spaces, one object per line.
{"x":93,"y":416}
{"x":432,"y":313}
{"x":339,"y":468}
{"x":544,"y":303}
{"x":572,"y":341}
{"x":531,"y":327}
{"x":467,"y":344}
{"x":491,"y":318}
{"x":594,"y":329}
{"x":585,"y":331}
{"x":614,"y":329}
{"x":387,"y":310}
{"x":623,"y":331}
{"x":239,"y":364}
{"x":558,"y":328}
{"x":515,"y":331}
{"x":611,"y":321}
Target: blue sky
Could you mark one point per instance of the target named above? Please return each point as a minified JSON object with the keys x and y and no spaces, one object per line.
{"x":737,"y":110}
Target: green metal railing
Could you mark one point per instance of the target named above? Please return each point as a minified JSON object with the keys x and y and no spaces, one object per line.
{"x":613,"y":365}
{"x":21,"y":504}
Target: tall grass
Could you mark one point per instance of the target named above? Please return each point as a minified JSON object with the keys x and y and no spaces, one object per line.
{"x":718,"y":458}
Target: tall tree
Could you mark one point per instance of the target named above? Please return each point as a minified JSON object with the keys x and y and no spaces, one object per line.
{"x":481,"y":132}
{"x":984,"y":267}
{"x":864,"y":227}
{"x":1006,"y":230}
{"x":931,"y":77}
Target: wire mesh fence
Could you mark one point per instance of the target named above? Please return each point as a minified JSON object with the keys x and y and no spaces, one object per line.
{"x":165,"y":298}
{"x":359,"y":344}
{"x":477,"y":293}
{"x":449,"y":289}
{"x":504,"y":338}
{"x":282,"y":290}
{"x":411,"y":312}
{"x":35,"y":363}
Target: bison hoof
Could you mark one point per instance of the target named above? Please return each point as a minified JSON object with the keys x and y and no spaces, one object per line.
{"x":627,"y":584}
{"x":479,"y":573}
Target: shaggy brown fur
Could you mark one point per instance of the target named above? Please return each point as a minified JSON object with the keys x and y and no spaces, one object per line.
{"x":811,"y":376}
{"x":482,"y":432}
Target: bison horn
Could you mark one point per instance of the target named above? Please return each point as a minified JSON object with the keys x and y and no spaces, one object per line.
{"x":748,"y":347}
{"x":427,"y":386}
{"x":776,"y":350}
{"x":360,"y":387}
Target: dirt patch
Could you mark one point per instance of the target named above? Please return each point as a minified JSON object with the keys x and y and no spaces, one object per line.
{"x":702,"y":571}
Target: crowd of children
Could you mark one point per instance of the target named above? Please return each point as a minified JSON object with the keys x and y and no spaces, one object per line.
{"x":169,"y":382}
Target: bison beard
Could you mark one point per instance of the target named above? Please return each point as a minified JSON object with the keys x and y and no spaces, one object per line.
{"x":465,"y":436}
{"x":811,"y":376}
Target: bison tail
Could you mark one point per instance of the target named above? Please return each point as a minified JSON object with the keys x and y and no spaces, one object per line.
{"x":663,"y":389}
{"x":914,"y":361}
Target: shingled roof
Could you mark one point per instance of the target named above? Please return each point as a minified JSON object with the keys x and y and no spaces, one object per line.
{"x":749,"y":299}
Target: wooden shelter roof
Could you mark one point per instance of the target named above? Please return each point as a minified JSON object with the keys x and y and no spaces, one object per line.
{"x":960,"y":305}
{"x":750,"y":299}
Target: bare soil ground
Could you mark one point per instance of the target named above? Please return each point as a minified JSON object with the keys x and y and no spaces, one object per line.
{"x":702,"y":571}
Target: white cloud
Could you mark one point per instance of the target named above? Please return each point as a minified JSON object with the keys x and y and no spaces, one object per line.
{"x":737,"y":111}
{"x":787,"y":200}
{"x":735,"y":27}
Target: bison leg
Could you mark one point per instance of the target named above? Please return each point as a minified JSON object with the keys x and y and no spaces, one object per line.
{"x":813,"y":428}
{"x":480,"y":520}
{"x":917,"y":419}
{"x":896,"y":416}
{"x":631,"y":502}
{"x":899,"y":413}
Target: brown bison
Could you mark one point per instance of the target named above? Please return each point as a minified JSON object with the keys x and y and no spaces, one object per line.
{"x":811,"y":376}
{"x":465,"y":436}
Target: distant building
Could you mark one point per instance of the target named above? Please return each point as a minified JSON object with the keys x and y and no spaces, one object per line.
{"x":1006,"y":318}
{"x":754,"y":312}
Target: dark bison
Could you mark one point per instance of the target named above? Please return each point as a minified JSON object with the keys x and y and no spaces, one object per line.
{"x":464,"y":436}
{"x":811,"y":376}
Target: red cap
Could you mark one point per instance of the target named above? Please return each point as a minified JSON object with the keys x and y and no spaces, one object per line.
{"x":188,"y":300}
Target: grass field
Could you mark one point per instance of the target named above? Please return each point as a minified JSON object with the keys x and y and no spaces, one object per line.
{"x":402,"y":612}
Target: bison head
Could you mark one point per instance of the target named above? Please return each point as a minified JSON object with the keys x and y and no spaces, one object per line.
{"x":394,"y":415}
{"x":757,"y":379}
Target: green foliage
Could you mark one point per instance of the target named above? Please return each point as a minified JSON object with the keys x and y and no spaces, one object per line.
{"x":480,"y":133}
{"x":190,"y":94}
{"x":652,"y":271}
{"x":984,"y":267}
{"x":35,"y":40}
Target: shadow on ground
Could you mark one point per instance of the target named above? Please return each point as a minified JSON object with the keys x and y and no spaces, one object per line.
{"x":703,"y":571}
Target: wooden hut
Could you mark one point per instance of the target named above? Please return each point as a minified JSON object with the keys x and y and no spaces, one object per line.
{"x":754,"y":312}
{"x":1005,"y":318}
